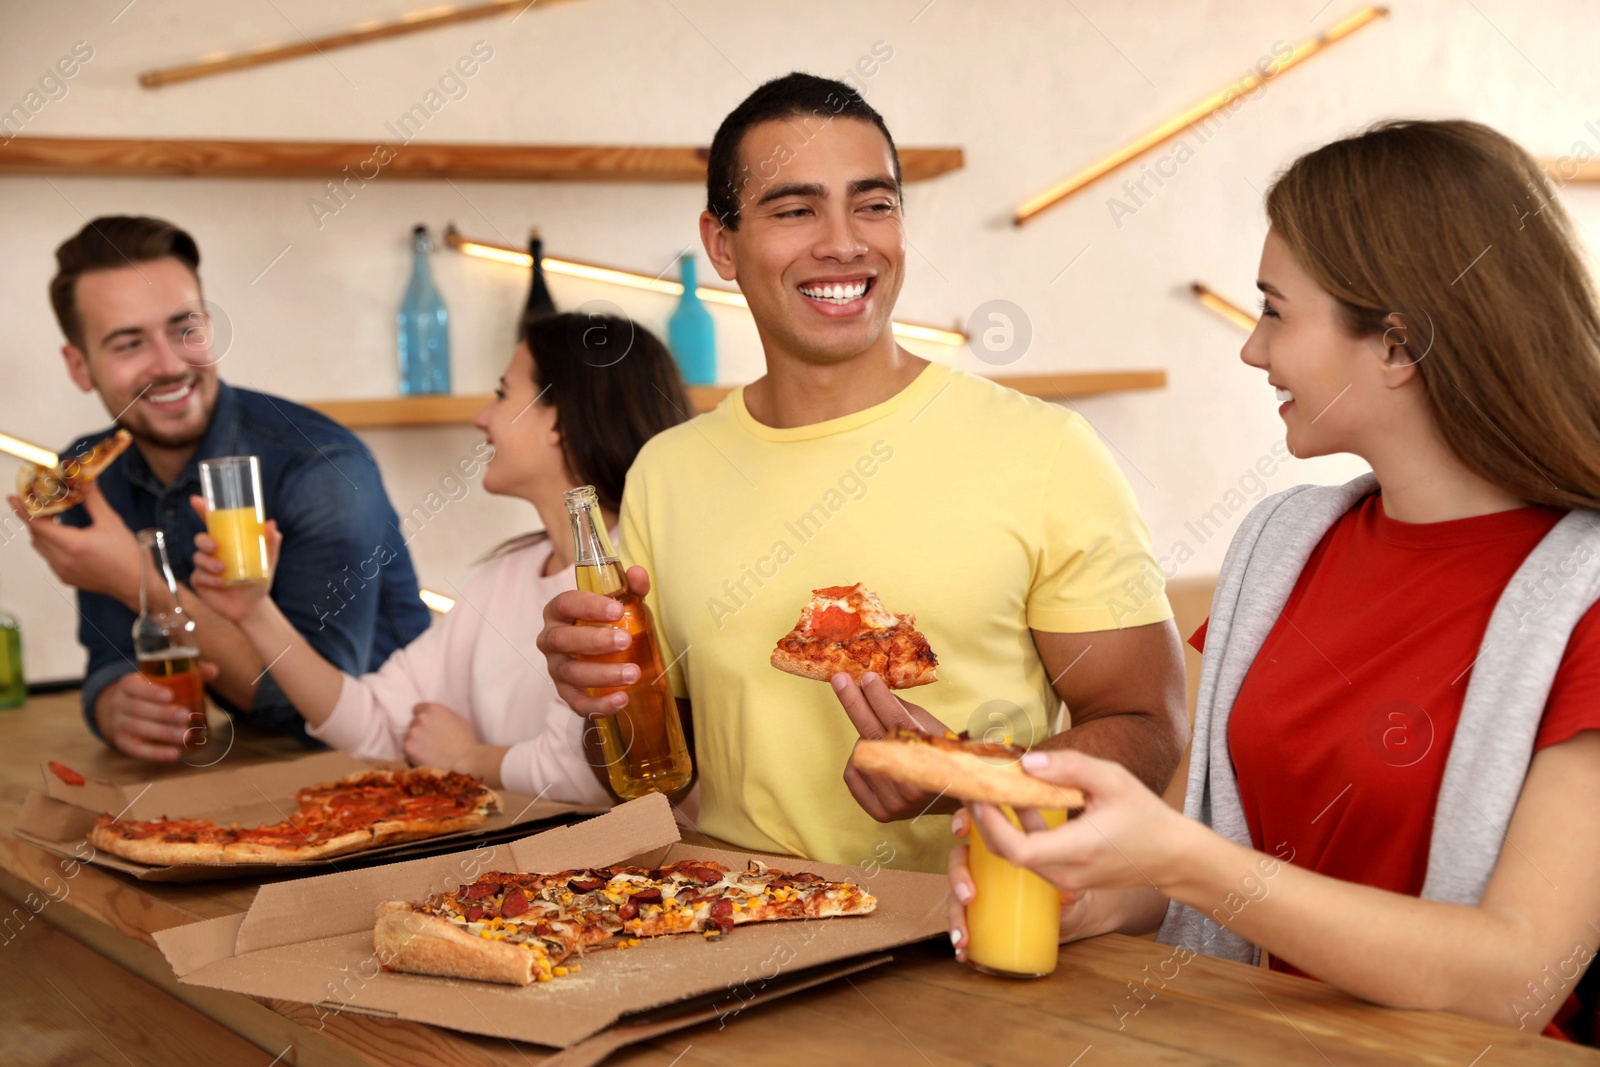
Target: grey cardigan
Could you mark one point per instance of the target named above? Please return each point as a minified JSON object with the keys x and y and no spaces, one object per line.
{"x":1488,"y":760}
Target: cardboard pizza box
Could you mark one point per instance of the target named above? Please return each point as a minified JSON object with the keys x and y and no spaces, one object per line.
{"x":57,"y":818}
{"x":310,"y":940}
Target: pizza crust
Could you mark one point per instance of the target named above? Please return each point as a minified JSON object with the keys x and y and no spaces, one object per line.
{"x":826,"y":659}
{"x":389,"y":832}
{"x":273,"y":852}
{"x":961,"y":774}
{"x":154,"y":851}
{"x":409,"y":940}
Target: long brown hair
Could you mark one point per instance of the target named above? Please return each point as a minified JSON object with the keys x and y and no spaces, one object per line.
{"x":1454,"y":228}
{"x":614,"y":386}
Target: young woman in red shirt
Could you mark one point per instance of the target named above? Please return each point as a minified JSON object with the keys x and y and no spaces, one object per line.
{"x":1396,"y":760}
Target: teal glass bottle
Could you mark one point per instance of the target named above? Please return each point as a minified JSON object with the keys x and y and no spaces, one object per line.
{"x":13,"y":688}
{"x":691,"y":335}
{"x":424,"y":327}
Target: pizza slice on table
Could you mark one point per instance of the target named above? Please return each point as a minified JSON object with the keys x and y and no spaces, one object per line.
{"x":360,"y":811}
{"x":520,"y":928}
{"x":846,"y":628}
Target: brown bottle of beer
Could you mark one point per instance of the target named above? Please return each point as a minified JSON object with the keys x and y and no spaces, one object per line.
{"x":644,"y":747}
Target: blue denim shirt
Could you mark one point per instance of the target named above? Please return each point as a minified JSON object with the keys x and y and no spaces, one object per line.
{"x":344,"y":578}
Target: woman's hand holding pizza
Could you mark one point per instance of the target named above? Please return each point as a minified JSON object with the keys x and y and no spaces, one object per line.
{"x":874,"y":710}
{"x":233,"y":602}
{"x":1126,"y":837}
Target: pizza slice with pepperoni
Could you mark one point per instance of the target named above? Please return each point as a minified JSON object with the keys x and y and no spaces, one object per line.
{"x":846,"y":628}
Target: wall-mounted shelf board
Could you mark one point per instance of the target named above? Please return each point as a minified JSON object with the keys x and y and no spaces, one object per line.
{"x":459,"y":410}
{"x":143,"y":157}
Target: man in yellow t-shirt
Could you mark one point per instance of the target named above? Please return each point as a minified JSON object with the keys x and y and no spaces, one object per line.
{"x":999,"y":520}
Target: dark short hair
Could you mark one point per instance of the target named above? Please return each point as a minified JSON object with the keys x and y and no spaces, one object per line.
{"x":792,"y":95}
{"x":107,"y":243}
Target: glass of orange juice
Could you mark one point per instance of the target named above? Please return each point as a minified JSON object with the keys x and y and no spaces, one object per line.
{"x":235,"y":517}
{"x":1014,"y":922}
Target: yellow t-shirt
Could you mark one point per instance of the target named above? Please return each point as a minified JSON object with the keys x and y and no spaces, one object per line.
{"x":984,"y":512}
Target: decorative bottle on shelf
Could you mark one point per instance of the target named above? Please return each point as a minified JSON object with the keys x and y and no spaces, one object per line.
{"x":690,"y":332}
{"x":13,"y":688}
{"x":424,"y":327}
{"x":539,"y":302}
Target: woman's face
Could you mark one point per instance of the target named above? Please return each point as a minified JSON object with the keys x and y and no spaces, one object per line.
{"x":521,"y":427}
{"x":1334,"y":389}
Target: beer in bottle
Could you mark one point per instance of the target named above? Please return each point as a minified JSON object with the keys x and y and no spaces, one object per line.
{"x":164,"y":642}
{"x":643,"y":743}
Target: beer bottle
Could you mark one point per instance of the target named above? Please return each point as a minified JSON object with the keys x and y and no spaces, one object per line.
{"x":643,"y":743}
{"x":13,"y":689}
{"x":164,"y":642}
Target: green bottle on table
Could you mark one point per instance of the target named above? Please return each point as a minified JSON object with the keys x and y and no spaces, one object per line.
{"x":13,"y":691}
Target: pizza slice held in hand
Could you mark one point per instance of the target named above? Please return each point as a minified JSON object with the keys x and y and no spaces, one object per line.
{"x":47,"y":491}
{"x":846,"y":628}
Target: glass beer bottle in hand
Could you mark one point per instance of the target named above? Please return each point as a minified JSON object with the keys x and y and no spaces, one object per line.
{"x":643,"y":743}
{"x":164,"y":641}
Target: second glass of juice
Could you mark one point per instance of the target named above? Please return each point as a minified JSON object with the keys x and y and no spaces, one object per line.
{"x":1014,"y":922}
{"x":235,"y":517}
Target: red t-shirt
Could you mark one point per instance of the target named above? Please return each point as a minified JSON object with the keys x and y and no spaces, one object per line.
{"x":1341,"y":730}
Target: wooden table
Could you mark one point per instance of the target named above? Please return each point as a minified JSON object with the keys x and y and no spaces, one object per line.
{"x":66,"y":994}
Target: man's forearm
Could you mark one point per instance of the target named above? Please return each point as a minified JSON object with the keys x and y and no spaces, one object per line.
{"x":1147,"y":743}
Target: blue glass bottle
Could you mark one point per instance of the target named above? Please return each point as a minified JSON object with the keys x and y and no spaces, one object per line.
{"x":691,"y":335}
{"x":424,"y":327}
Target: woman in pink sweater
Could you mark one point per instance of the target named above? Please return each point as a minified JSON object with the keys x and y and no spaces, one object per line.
{"x":472,"y":694}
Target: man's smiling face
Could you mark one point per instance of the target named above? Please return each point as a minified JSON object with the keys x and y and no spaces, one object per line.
{"x":820,"y":248}
{"x":147,"y":350}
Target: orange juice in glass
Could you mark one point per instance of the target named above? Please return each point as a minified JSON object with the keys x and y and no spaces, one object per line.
{"x":235,"y":517}
{"x":1014,"y":922}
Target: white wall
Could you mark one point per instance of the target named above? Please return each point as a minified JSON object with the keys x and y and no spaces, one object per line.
{"x":1031,"y":90}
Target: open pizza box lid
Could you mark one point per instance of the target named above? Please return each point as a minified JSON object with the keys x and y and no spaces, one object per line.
{"x":58,"y":818}
{"x":310,"y":940}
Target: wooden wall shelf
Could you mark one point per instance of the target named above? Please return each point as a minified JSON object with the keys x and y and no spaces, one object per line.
{"x":459,"y":410}
{"x":131,"y":157}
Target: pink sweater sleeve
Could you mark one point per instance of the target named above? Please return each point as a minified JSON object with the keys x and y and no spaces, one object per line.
{"x":374,"y":710}
{"x":553,"y":765}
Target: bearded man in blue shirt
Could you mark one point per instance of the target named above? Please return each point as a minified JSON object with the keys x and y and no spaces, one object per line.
{"x":127,"y":296}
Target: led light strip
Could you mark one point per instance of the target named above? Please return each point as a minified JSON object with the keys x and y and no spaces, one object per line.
{"x":1178,"y":123}
{"x":573,"y":269}
{"x":1232,"y":312}
{"x":436,"y":601}
{"x":24,"y":451}
{"x":411,"y":22}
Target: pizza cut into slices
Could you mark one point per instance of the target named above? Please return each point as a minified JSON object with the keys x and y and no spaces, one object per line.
{"x":360,"y":811}
{"x":521,"y":928}
{"x":846,"y":628}
{"x":956,"y":765}
{"x":49,"y":491}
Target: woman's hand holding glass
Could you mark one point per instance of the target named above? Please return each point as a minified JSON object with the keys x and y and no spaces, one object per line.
{"x":233,"y":602}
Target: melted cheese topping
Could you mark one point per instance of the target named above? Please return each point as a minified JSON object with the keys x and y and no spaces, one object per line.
{"x":873,"y":614}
